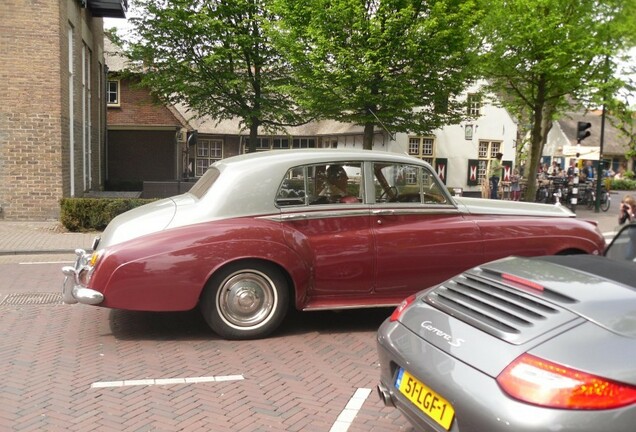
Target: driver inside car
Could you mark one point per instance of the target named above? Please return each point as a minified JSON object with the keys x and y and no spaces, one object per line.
{"x":336,"y":182}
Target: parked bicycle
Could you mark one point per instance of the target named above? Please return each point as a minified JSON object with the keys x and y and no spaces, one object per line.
{"x":588,"y":196}
{"x":553,"y":190}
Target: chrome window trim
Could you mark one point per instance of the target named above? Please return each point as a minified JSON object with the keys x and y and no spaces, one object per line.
{"x":306,"y":213}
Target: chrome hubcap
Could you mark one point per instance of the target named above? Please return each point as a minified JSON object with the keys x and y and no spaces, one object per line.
{"x":246,"y":299}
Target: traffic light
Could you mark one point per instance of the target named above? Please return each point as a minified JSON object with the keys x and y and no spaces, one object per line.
{"x":582,"y":132}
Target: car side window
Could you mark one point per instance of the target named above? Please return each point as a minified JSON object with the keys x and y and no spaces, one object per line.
{"x":406,"y":183}
{"x":623,"y":246}
{"x":328,"y":183}
{"x":292,"y":191}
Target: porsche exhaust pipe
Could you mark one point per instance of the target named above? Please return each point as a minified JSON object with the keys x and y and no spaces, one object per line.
{"x":385,"y":395}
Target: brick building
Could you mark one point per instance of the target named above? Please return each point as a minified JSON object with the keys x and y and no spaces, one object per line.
{"x":146,"y":139}
{"x":53,"y":111}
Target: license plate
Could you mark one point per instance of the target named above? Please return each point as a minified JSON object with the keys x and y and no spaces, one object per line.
{"x":431,"y":403}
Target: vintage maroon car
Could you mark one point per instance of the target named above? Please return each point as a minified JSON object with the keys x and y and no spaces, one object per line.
{"x":321,"y":229}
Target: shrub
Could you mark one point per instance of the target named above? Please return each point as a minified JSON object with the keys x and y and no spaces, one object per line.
{"x":623,"y":184}
{"x":93,"y":214}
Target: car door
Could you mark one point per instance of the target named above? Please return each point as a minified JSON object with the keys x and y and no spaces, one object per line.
{"x":326,"y":220}
{"x":421,"y":237}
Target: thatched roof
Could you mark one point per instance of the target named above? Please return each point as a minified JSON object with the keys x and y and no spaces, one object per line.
{"x":614,"y":141}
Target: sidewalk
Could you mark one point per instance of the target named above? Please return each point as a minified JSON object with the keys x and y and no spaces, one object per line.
{"x":22,"y":238}
{"x":607,"y":221}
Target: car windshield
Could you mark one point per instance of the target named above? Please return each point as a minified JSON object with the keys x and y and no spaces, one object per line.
{"x":623,"y":247}
{"x":204,"y":184}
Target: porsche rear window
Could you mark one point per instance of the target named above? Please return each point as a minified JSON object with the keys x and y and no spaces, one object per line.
{"x":204,"y":184}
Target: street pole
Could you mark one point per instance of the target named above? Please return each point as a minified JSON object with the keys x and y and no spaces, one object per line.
{"x":599,"y":169}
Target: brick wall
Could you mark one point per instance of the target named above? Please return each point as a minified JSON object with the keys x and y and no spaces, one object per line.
{"x":139,"y":108}
{"x":34,"y":108}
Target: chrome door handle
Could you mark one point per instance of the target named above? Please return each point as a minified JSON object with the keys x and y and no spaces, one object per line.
{"x":294,"y":216}
{"x":385,"y":212}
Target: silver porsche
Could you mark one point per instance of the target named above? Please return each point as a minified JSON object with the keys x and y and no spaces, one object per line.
{"x":519,"y":344}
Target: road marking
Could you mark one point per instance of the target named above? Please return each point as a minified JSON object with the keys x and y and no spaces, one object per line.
{"x":46,"y":262}
{"x":350,"y":411}
{"x":166,"y":381}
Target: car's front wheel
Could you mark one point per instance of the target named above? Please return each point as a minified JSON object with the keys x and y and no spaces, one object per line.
{"x":246,"y":300}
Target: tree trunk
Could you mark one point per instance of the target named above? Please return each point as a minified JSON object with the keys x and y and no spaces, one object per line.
{"x":541,"y":124}
{"x":251,"y":143}
{"x":367,"y":140}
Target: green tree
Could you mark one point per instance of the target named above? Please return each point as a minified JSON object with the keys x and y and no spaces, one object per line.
{"x":623,"y":118}
{"x":213,"y":56}
{"x":539,"y":54}
{"x":395,"y":64}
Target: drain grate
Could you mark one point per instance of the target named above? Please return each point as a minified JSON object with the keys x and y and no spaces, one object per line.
{"x":32,"y":299}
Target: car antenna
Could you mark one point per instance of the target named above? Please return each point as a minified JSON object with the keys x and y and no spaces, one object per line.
{"x":391,"y":135}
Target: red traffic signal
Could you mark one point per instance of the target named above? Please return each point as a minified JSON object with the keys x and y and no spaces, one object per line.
{"x":582,"y":131}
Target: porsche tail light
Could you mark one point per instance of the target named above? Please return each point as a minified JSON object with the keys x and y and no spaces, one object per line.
{"x":540,"y":382}
{"x":398,"y":310}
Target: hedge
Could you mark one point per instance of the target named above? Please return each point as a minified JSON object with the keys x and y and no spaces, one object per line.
{"x":93,"y":214}
{"x":623,"y":184}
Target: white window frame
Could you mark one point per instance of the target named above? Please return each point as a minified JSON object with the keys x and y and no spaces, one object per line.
{"x":117,"y":93}
{"x":71,"y":106}
{"x":487,"y":151}
{"x":422,"y":147}
{"x":87,"y":144}
{"x":207,"y":151}
{"x":473,"y":105}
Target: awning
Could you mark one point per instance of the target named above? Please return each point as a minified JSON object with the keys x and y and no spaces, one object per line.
{"x":569,"y":151}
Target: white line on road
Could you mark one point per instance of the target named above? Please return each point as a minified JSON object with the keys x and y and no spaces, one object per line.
{"x":46,"y":262}
{"x":166,"y":381}
{"x":350,"y":411}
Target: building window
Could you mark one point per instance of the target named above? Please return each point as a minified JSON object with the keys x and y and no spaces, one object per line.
{"x":208,"y":151}
{"x":268,"y":143}
{"x":299,"y":143}
{"x":262,"y":144}
{"x":422,"y":148}
{"x":280,"y":143}
{"x":474,"y":105}
{"x":487,"y":151}
{"x":112,"y":93}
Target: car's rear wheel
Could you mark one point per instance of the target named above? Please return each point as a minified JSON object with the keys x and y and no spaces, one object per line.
{"x":246,"y":300}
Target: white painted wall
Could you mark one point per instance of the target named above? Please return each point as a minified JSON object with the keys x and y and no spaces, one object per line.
{"x":494,"y":124}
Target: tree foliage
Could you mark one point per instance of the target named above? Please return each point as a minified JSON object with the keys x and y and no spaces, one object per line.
{"x":541,"y":54}
{"x":623,"y":118}
{"x":214,"y":57}
{"x":395,"y":64}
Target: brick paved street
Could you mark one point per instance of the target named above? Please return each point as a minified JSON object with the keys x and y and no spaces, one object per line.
{"x":299,"y":380}
{"x":55,"y":357}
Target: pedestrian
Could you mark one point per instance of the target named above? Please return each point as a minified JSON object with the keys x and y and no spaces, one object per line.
{"x":494,"y":174}
{"x":515,"y":187}
{"x":627,"y":210}
{"x":588,"y":171}
{"x":572,"y":170}
{"x":554,"y":169}
{"x":626,"y":215}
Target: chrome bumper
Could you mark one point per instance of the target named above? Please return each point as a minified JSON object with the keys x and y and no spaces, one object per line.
{"x":72,"y":290}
